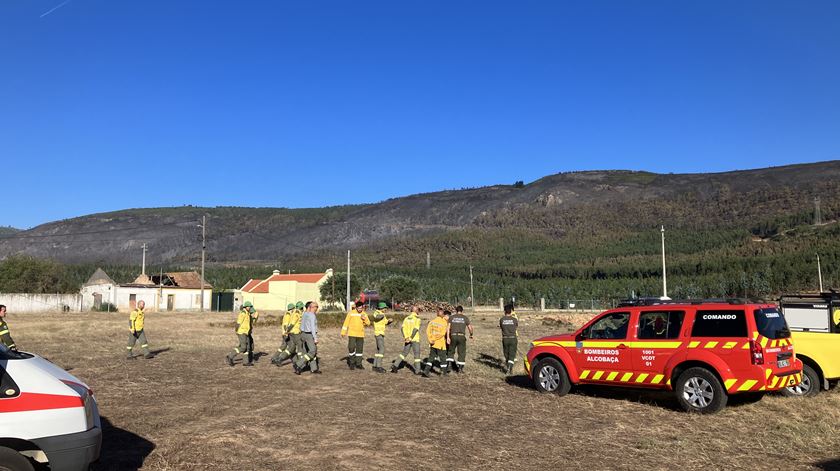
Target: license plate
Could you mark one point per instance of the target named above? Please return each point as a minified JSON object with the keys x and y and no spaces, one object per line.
{"x":783,"y":363}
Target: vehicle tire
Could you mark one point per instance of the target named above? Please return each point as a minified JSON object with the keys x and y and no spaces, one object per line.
{"x":809,"y":386}
{"x":11,"y":460}
{"x":550,"y":377}
{"x":698,"y":390}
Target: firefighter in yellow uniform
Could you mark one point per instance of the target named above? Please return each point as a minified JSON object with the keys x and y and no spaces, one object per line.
{"x":380,"y":322}
{"x":411,"y":337}
{"x":243,"y":331}
{"x":285,"y":327}
{"x":136,"y":334}
{"x":293,"y":331}
{"x":354,"y":329}
{"x":436,"y":334}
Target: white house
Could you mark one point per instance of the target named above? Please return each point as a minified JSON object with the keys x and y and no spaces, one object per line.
{"x":175,"y":291}
{"x":98,"y":289}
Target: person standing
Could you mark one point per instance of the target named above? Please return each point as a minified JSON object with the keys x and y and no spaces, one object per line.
{"x":411,"y":336}
{"x":5,"y":336}
{"x":436,"y":334}
{"x":354,"y":328}
{"x":292,"y":330}
{"x":243,"y":332}
{"x":508,"y":325}
{"x":284,"y":334}
{"x":136,"y":334}
{"x":380,"y":322}
{"x":459,"y":324}
{"x":308,"y":340}
{"x":254,"y":318}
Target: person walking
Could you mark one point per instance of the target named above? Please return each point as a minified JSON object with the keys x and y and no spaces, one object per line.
{"x":436,"y":335}
{"x":308,"y":340}
{"x":136,"y":332}
{"x":354,"y":329}
{"x":255,"y":316}
{"x":380,"y":323}
{"x":459,"y":324}
{"x":284,"y":334}
{"x":411,"y":337}
{"x":5,"y":336}
{"x":243,"y":331}
{"x":508,"y":325}
{"x":292,"y":329}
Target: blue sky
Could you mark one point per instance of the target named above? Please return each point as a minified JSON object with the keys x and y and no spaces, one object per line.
{"x":107,"y":105}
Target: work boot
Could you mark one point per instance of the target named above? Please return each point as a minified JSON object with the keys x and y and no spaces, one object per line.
{"x":130,"y":357}
{"x":360,"y":366}
{"x":394,"y":368}
{"x":352,"y":366}
{"x":229,"y":360}
{"x":296,"y":368}
{"x":509,"y":368}
{"x":316,"y":372}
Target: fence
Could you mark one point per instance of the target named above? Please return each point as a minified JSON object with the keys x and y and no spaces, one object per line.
{"x":30,"y":302}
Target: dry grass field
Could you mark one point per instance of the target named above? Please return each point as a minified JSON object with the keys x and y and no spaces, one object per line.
{"x":187,"y":410}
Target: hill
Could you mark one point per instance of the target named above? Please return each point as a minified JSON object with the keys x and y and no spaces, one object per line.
{"x":580,"y":227}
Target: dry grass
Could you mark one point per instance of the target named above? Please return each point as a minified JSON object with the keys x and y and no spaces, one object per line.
{"x":187,"y":410}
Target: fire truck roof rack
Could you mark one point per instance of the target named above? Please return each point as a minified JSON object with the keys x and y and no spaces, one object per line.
{"x":659,"y":301}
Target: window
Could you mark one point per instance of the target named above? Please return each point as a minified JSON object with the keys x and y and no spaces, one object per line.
{"x":723,"y":323}
{"x":611,"y":326}
{"x":660,"y":325}
{"x":771,"y":323}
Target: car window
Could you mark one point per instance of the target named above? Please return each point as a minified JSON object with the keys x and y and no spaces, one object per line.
{"x":660,"y":325}
{"x":720,"y":323}
{"x":770,"y":323}
{"x":611,"y":326}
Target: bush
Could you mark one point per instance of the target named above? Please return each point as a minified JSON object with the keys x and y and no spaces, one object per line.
{"x":106,"y":307}
{"x":399,"y":289}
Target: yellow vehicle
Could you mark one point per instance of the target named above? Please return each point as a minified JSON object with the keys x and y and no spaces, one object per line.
{"x":814,"y":321}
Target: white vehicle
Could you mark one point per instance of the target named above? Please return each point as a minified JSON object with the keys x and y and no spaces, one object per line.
{"x":46,"y":416}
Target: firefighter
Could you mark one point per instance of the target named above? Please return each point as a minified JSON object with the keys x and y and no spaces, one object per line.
{"x":354,"y":328}
{"x":436,"y":334}
{"x":459,"y":324}
{"x":508,"y":324}
{"x":284,"y":334}
{"x":308,"y":340}
{"x":254,"y":318}
{"x":380,"y":322}
{"x":292,"y":332}
{"x":5,"y":336}
{"x":411,"y":336}
{"x":243,"y":331}
{"x":136,"y":321}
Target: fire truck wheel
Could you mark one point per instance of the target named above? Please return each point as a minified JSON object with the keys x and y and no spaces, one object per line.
{"x":550,"y":377}
{"x":11,"y":460}
{"x":809,"y":386}
{"x":698,"y":390}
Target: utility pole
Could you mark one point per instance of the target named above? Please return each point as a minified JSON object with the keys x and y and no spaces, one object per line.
{"x":664,"y":276}
{"x":472,"y":293}
{"x":819,"y":272}
{"x":143,"y":270}
{"x":203,"y":249}
{"x":347,"y":306}
{"x":428,"y":260}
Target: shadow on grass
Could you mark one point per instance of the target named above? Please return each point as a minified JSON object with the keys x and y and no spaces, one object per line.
{"x":663,"y":399}
{"x":158,"y":351}
{"x":121,"y":449}
{"x":491,"y":361}
{"x":829,"y":465}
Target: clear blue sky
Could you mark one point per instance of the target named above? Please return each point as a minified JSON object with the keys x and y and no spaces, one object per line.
{"x":110,"y":104}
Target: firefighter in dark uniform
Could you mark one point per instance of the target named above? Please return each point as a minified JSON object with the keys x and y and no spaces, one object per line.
{"x":459,"y":324}
{"x":255,"y":316}
{"x":508,"y":324}
{"x":5,"y":336}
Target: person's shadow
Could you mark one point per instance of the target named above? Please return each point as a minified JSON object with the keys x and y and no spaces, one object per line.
{"x":121,"y":449}
{"x":491,"y":361}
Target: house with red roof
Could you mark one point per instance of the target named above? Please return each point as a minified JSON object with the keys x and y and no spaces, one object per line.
{"x":278,"y":290}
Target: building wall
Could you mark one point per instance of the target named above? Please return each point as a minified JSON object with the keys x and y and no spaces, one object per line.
{"x":27,"y":302}
{"x":157,"y":299}
{"x":108,"y":292}
{"x":281,"y":293}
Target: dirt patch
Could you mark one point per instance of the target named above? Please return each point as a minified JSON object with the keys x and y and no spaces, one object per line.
{"x":187,"y":410}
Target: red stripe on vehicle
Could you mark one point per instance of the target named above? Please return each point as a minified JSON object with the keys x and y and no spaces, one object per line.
{"x":27,"y":402}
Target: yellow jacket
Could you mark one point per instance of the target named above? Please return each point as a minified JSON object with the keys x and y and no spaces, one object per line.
{"x":379,"y":325}
{"x":255,"y":316}
{"x":354,"y":324}
{"x":285,"y":323}
{"x":436,"y":333}
{"x":243,"y":323}
{"x":136,"y":320}
{"x":411,"y":327}
{"x":294,"y":322}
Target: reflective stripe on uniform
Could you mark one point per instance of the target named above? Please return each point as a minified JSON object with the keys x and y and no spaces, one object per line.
{"x":3,"y":332}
